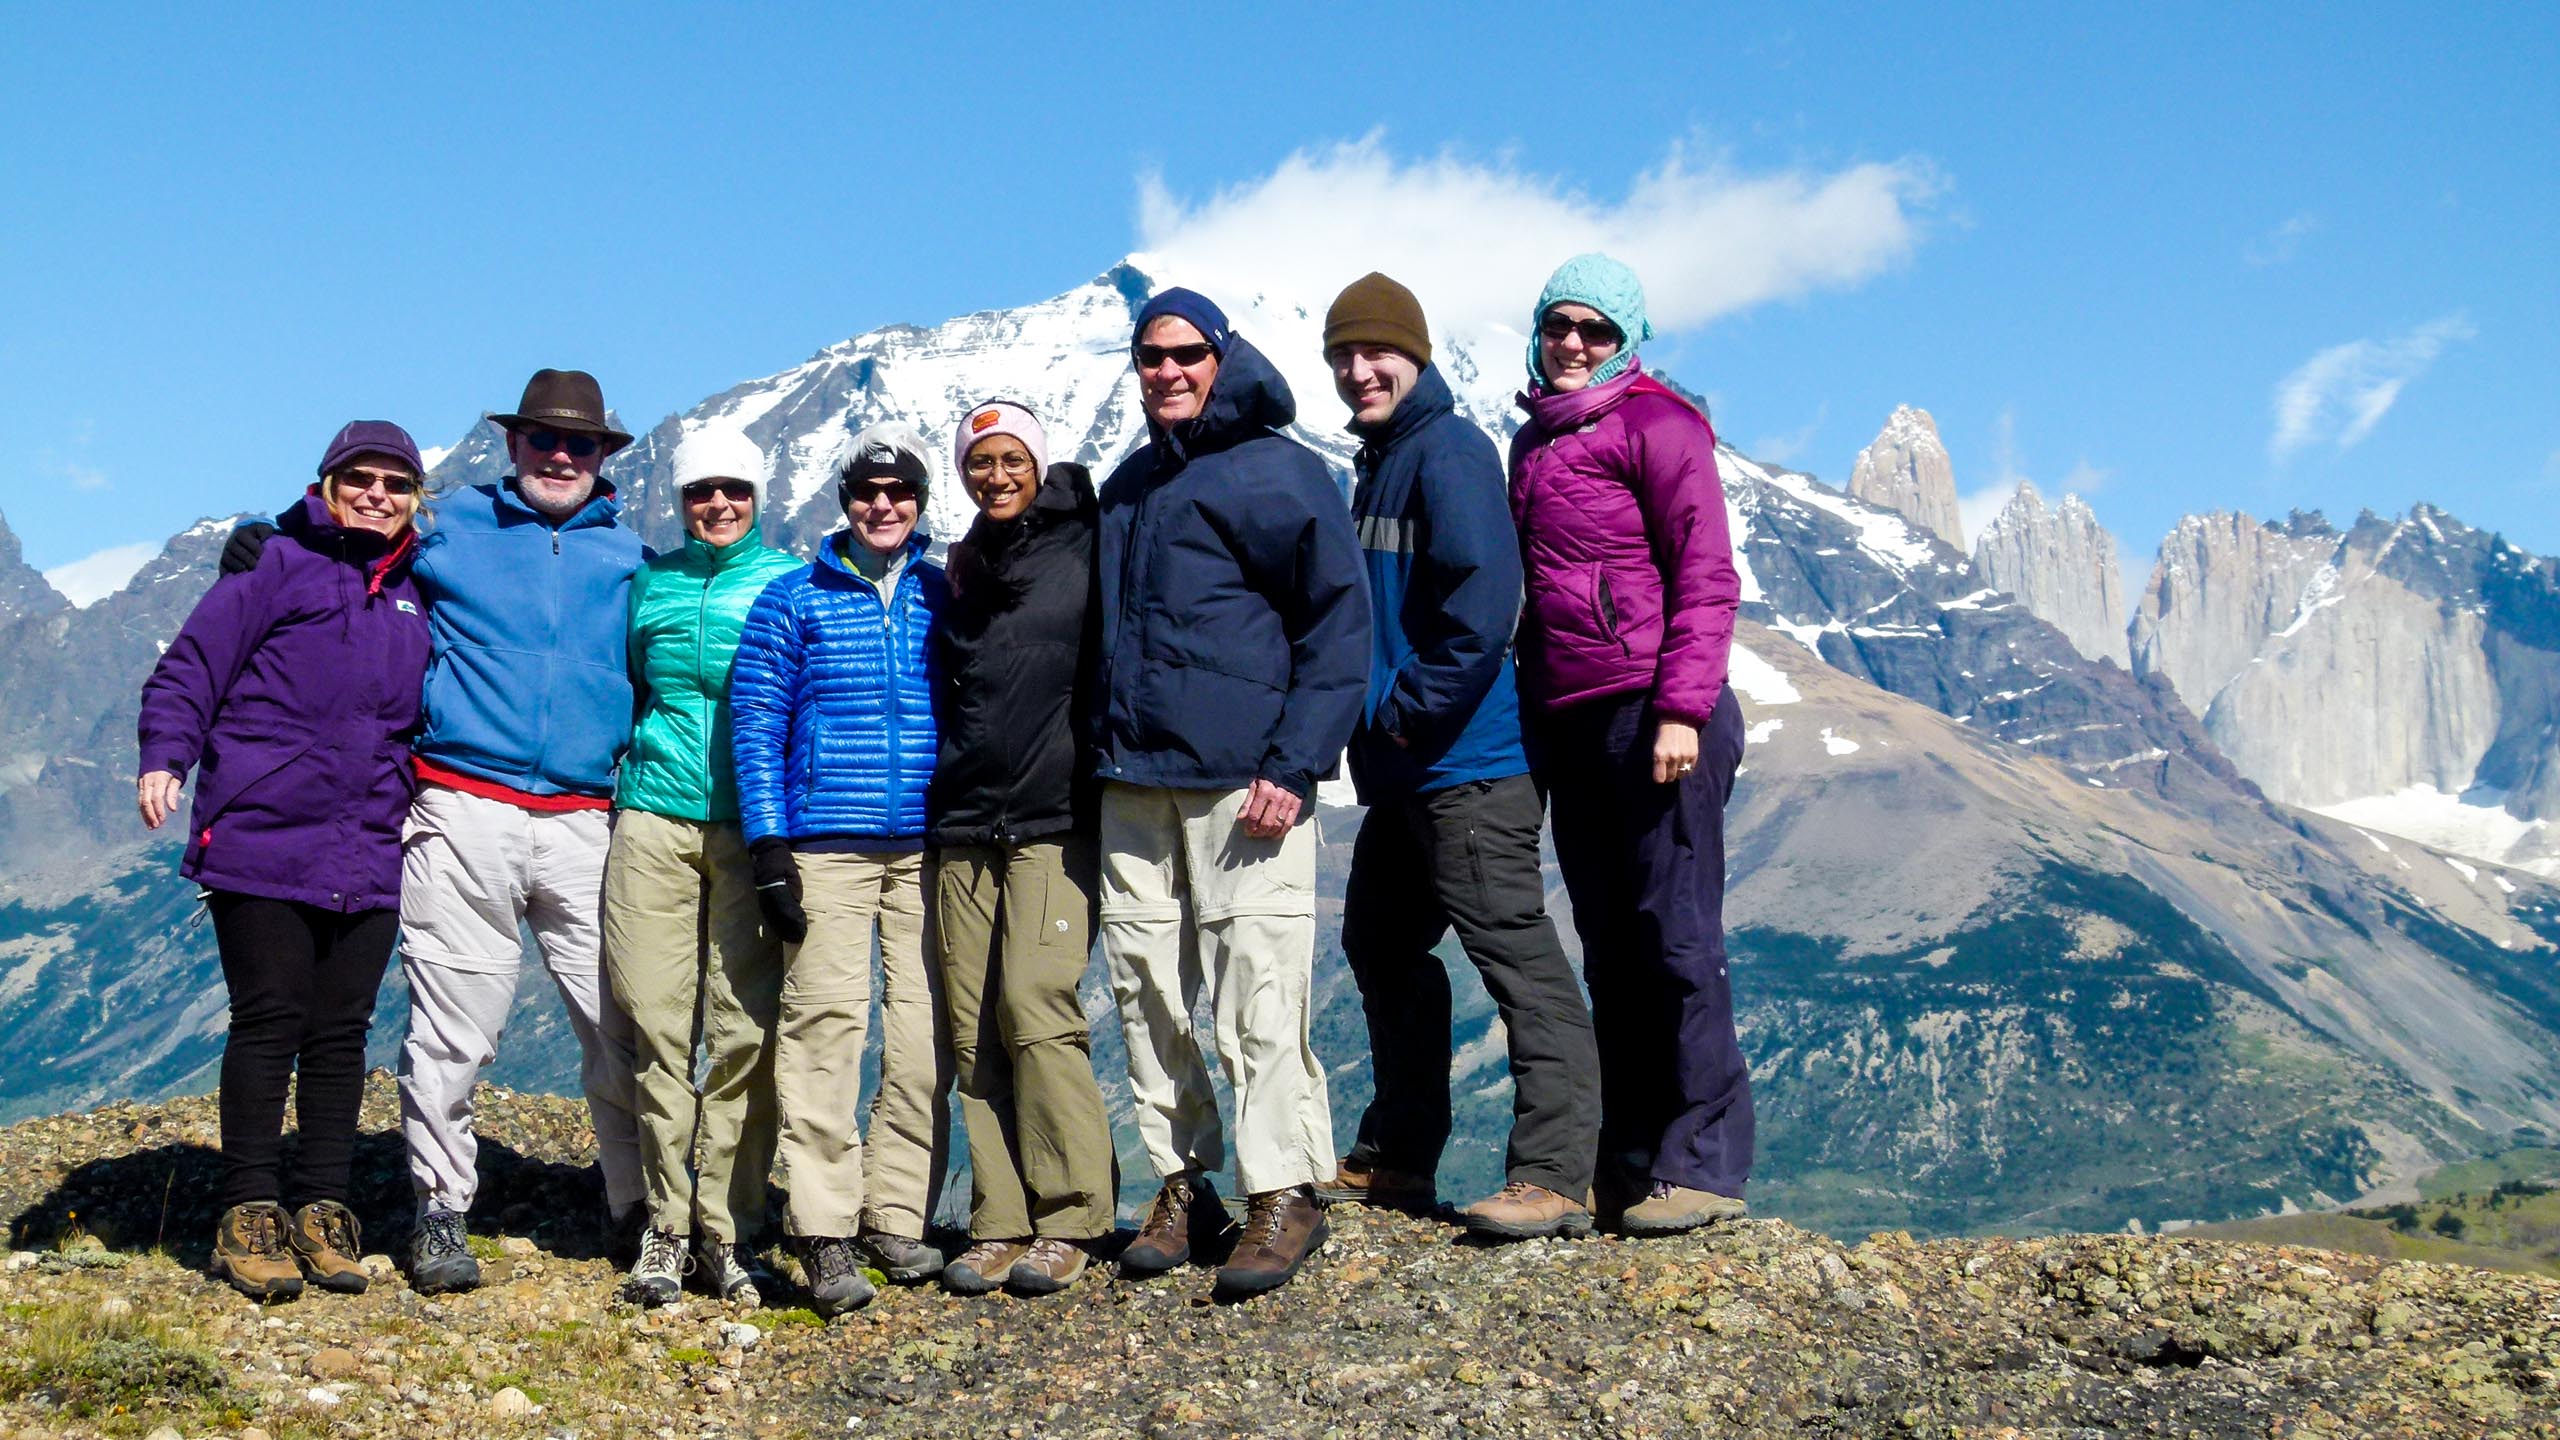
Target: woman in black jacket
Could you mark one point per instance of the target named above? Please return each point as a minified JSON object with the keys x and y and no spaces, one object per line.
{"x":1011,"y":816}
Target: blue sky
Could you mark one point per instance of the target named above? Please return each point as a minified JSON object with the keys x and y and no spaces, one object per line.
{"x":2179,"y":257}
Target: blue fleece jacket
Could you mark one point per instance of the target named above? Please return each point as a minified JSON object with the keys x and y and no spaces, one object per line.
{"x":1444,"y":593}
{"x":530,"y":685}
{"x":831,"y":705}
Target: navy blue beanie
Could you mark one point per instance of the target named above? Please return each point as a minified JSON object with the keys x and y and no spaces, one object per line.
{"x":1191,"y":305}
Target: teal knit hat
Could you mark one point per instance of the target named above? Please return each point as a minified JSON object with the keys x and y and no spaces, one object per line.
{"x":1606,"y":285}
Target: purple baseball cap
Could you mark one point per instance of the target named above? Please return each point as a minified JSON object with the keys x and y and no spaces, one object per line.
{"x":372,"y":437}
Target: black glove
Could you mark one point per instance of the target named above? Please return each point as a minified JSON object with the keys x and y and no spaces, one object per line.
{"x":240,"y":553}
{"x":778,"y":889}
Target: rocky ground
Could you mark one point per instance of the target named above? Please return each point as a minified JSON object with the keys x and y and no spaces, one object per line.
{"x":107,"y":1327}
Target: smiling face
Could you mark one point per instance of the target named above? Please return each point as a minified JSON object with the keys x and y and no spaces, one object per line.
{"x":372,"y":492}
{"x":1172,"y":390}
{"x":1002,"y":477}
{"x":1372,"y":379}
{"x":719,"y":511}
{"x":1567,"y":349}
{"x":882,"y":510}
{"x":552,"y":476}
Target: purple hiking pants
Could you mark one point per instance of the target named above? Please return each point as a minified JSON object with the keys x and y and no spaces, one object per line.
{"x":1644,"y":865}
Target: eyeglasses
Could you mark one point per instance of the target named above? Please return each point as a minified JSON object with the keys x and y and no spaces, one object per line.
{"x":548,"y":442}
{"x":357,"y":482}
{"x":737,"y":492}
{"x":1595,"y":333}
{"x":1015,"y":463}
{"x":1186,"y":356}
{"x":865,"y":492}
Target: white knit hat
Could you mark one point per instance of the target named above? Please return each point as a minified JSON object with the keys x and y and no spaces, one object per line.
{"x":720,"y":452}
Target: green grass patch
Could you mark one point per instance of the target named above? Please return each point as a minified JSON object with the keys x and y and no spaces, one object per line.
{"x":689,"y":1355}
{"x":2479,"y":1177}
{"x":482,"y":1247}
{"x":84,"y":1362}
{"x":772,"y":1320}
{"x":516,"y":1379}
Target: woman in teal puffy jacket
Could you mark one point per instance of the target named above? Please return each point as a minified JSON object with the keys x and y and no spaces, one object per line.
{"x":682,"y":933}
{"x":833,"y":695}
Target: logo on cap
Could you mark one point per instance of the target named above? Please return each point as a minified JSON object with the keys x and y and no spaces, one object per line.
{"x":985,"y":420}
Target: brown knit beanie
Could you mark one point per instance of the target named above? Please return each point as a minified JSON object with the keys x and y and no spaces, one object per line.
{"x":1374,"y":310}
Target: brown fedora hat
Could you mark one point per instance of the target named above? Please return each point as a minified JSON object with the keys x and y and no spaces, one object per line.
{"x":564,"y":400}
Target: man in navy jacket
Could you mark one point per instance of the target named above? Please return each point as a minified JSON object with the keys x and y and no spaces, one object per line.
{"x":1235,"y":635}
{"x":1451,"y":837}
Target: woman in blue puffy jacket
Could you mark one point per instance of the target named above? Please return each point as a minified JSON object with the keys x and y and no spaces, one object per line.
{"x":831,"y":699}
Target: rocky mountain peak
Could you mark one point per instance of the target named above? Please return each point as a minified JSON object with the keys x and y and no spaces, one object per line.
{"x":2062,"y":563}
{"x":23,"y":588}
{"x":1906,"y":470}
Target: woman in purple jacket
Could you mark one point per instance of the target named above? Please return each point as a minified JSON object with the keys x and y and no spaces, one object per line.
{"x":1635,"y":736}
{"x":293,"y":692}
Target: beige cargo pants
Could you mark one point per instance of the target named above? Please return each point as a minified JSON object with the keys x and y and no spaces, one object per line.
{"x":841,"y":1182}
{"x":1188,"y":897}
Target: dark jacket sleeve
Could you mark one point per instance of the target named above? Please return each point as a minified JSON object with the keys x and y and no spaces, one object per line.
{"x":1464,"y":598}
{"x":199,"y":667}
{"x":1309,"y":562}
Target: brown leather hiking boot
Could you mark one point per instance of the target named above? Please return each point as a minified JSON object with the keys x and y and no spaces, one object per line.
{"x":1281,"y":1229}
{"x":1671,"y":1209}
{"x":250,"y":1251}
{"x":1357,"y":1182}
{"x":1186,"y":1208}
{"x":1522,"y":1211}
{"x":983,"y":1266}
{"x":330,"y":1246}
{"x":1049,"y":1266}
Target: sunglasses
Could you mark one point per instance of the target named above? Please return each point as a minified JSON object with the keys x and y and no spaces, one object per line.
{"x":357,"y":482}
{"x":896,"y":492}
{"x":1186,"y":356}
{"x":1594,"y":333}
{"x":737,"y":492}
{"x":551,"y":442}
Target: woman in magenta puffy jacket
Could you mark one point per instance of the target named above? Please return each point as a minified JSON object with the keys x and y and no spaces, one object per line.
{"x":1635,"y":736}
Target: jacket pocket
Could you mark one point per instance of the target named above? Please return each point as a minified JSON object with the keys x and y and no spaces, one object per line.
{"x":1604,"y":608}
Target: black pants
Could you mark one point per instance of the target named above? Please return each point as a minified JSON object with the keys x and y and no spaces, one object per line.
{"x":1467,"y":857}
{"x":1644,"y":864}
{"x":302,"y":982}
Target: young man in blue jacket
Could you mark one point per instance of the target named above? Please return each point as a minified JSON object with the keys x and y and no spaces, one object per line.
{"x":1451,"y":837}
{"x":1235,"y":636}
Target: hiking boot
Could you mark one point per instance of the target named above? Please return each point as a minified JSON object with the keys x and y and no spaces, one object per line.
{"x":1185,"y":1207}
{"x":1670,"y":1209}
{"x":1382,"y":1187}
{"x":833,"y":1271}
{"x":250,"y":1251}
{"x":983,"y":1266}
{"x":734,"y":1272}
{"x":657,"y":1276}
{"x":438,"y":1259}
{"x":330,"y":1245}
{"x":1522,"y":1211}
{"x":904,"y":1261}
{"x":1281,"y":1229}
{"x":1049,"y":1266}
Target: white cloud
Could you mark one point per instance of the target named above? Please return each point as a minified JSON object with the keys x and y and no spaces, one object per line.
{"x":2340,"y":394}
{"x":1977,"y":507}
{"x":1786,"y":449}
{"x":1474,"y":239}
{"x":2278,"y":245}
{"x":92,"y":578}
{"x":84,"y":477}
{"x":2085,"y":479}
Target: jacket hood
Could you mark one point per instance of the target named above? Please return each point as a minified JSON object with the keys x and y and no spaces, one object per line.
{"x":1428,"y":400}
{"x":1247,"y":398}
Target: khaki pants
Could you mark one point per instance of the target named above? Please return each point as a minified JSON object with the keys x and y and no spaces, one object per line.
{"x":1016,"y":925}
{"x":1188,"y":896}
{"x":840,"y":1183}
{"x":474,"y":874}
{"x":686,"y":949}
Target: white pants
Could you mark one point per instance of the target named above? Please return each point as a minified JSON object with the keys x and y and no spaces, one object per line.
{"x":1187,"y":896}
{"x":474,"y":873}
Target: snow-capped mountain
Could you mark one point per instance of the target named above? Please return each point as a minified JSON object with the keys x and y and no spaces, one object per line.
{"x":2402,"y":675}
